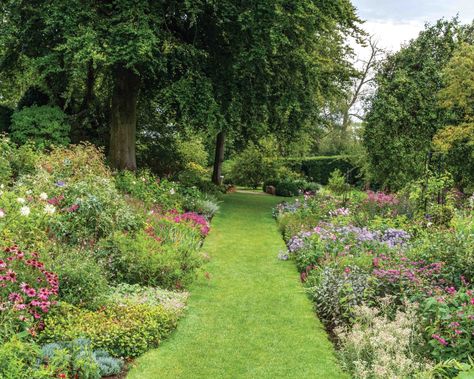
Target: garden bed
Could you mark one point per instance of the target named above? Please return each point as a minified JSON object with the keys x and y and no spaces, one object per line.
{"x":94,"y":265}
{"x":392,"y":283}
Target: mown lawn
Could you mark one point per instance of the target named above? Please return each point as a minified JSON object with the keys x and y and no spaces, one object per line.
{"x":251,"y":319}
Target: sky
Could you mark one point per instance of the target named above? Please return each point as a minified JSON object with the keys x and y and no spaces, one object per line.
{"x":394,"y":22}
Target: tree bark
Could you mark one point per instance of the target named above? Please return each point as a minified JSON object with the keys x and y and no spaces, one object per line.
{"x":219,"y":158}
{"x":123,"y":120}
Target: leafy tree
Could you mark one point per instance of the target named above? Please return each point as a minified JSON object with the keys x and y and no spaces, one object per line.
{"x":456,"y":141}
{"x":405,"y":112}
{"x":273,"y":63}
{"x":118,"y":46}
{"x":243,"y":68}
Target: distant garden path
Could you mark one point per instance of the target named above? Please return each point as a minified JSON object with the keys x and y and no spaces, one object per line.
{"x":251,"y":319}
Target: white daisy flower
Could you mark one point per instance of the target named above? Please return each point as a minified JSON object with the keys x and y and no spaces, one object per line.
{"x":25,"y":211}
{"x":21,"y":200}
{"x":172,"y":191}
{"x":49,"y":209}
{"x":2,"y":213}
{"x":43,"y":196}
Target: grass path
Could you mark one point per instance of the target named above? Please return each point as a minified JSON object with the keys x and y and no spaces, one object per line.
{"x":251,"y":319}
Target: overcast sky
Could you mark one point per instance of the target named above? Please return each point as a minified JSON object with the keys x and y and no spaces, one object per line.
{"x":396,"y":21}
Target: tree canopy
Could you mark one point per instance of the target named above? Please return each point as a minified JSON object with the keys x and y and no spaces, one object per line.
{"x":245,"y":68}
{"x":405,"y":112}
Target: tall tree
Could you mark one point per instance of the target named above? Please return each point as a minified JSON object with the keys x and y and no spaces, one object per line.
{"x":456,"y":140}
{"x":273,"y":63}
{"x":405,"y":112}
{"x":127,"y":45}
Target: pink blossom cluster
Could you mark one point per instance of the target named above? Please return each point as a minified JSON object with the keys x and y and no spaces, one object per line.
{"x":402,"y":269}
{"x":340,"y":212}
{"x":457,"y":322}
{"x":381,"y":198}
{"x":26,"y":287}
{"x":194,"y":219}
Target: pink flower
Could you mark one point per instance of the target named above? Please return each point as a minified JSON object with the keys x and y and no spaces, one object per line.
{"x":451,"y":290}
{"x":441,"y":340}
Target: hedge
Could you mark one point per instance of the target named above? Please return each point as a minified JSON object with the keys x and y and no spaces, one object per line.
{"x":318,"y":169}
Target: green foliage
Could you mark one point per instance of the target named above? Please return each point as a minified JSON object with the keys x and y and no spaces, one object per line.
{"x":19,"y":360}
{"x":149,"y":189}
{"x":123,"y":330}
{"x":206,"y":206}
{"x":83,"y":281}
{"x":81,"y":360}
{"x":172,"y":301}
{"x":405,"y":111}
{"x":16,"y":161}
{"x":337,"y":183}
{"x":456,"y":141}
{"x":45,"y":126}
{"x":336,"y":293}
{"x":94,"y":210}
{"x":255,"y":164}
{"x":151,"y":257}
{"x":319,"y":169}
{"x":450,"y":317}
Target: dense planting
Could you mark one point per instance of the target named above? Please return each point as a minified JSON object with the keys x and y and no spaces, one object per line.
{"x":84,"y":254}
{"x":393,"y":284}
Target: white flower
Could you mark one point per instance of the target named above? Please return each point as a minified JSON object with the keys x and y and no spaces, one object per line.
{"x":2,"y":213}
{"x":49,"y":209}
{"x":172,"y":191}
{"x":21,"y":200}
{"x":28,"y":192}
{"x":2,"y":186}
{"x":43,"y":196}
{"x":25,"y":211}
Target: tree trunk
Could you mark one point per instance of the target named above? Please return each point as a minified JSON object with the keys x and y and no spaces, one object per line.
{"x":219,"y":158}
{"x":123,"y":120}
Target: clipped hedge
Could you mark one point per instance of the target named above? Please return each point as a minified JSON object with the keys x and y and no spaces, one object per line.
{"x":318,"y":169}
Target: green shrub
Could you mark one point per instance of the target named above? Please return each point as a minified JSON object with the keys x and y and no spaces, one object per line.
{"x":75,"y":163}
{"x":22,"y":360}
{"x":253,"y":166}
{"x":172,"y":301}
{"x":336,"y":293}
{"x":93,"y":210}
{"x":45,"y":126}
{"x":319,"y":169}
{"x":123,"y":330}
{"x":288,"y":188}
{"x":162,"y":255}
{"x":76,"y":356}
{"x":149,"y":189}
{"x":81,"y":360}
{"x":205,"y":205}
{"x":83,"y":281}
{"x":6,"y":153}
{"x":337,"y":183}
